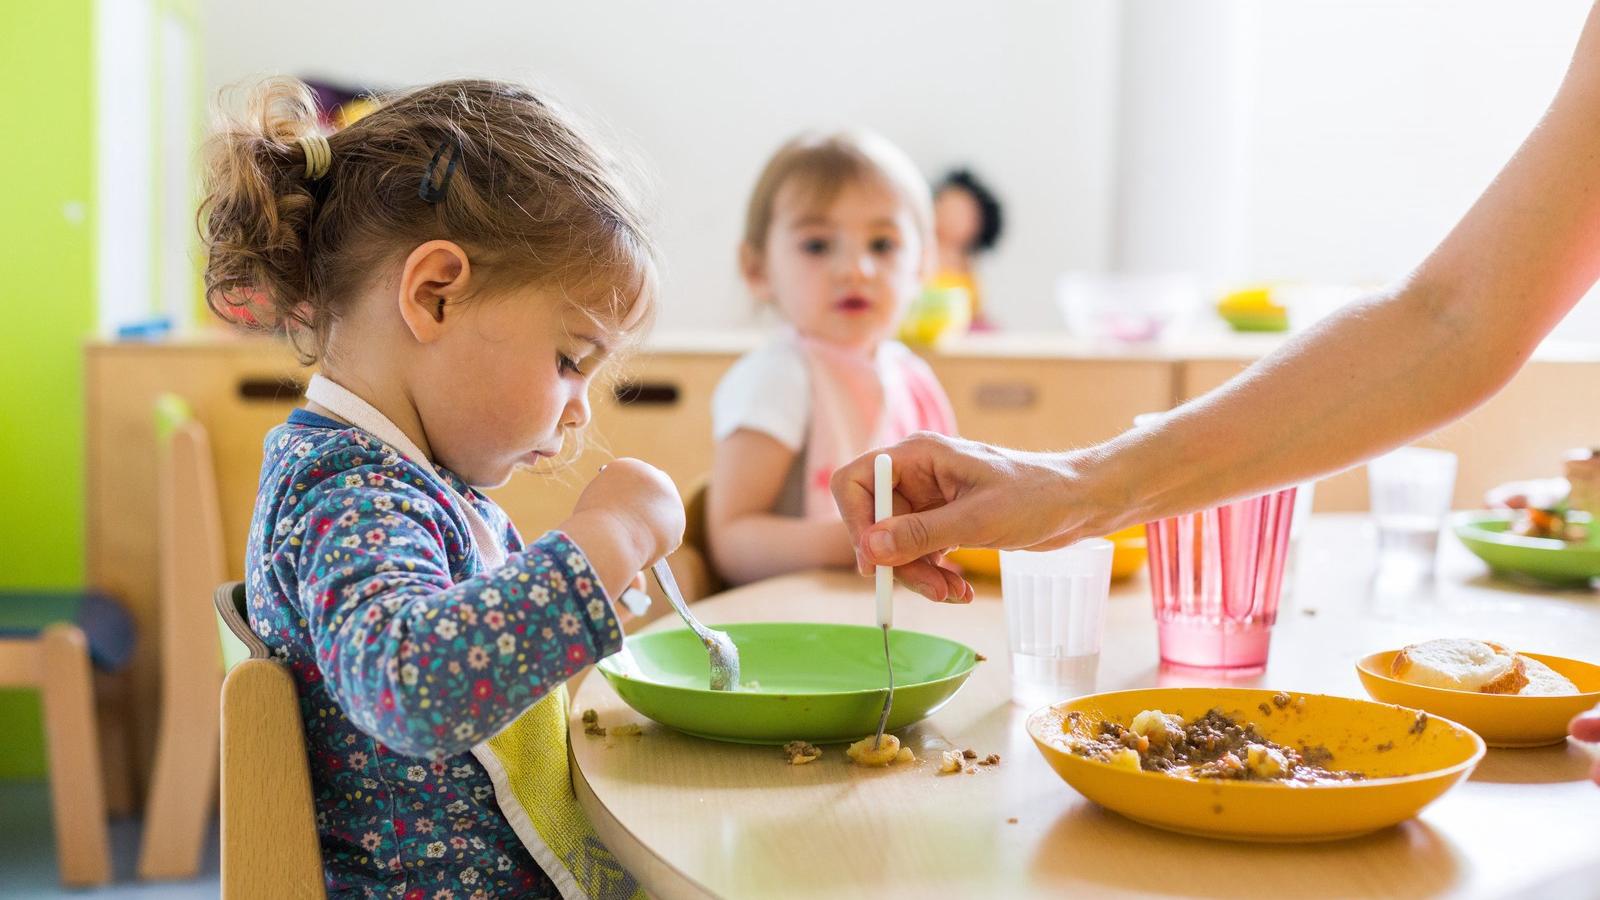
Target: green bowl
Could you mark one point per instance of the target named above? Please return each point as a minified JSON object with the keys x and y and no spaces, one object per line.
{"x":802,"y":681}
{"x":1542,"y":559}
{"x":1277,"y":321}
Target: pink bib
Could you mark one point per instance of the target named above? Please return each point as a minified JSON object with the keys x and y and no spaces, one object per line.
{"x":861,"y":402}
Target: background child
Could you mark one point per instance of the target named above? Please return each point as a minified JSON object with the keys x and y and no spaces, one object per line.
{"x":837,"y":239}
{"x":461,"y":261}
{"x":966,"y":223}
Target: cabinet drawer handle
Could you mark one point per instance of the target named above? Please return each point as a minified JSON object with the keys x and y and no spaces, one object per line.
{"x":271,"y":389}
{"x":1006,"y":395}
{"x":646,"y":393}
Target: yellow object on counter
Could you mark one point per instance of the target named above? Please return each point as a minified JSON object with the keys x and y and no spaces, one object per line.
{"x":1128,"y":554}
{"x":940,"y":313}
{"x":1254,"y":309}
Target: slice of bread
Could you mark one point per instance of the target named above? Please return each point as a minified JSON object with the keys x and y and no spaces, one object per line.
{"x":1461,"y":664}
{"x":1544,"y":681}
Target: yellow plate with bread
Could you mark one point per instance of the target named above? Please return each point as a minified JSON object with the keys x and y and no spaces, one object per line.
{"x":1405,"y":758}
{"x":1524,"y":702}
{"x":1127,"y":556}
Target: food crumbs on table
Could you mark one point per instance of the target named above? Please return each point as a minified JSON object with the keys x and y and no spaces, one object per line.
{"x":1265,"y":709}
{"x":968,"y":754}
{"x":591,"y":724}
{"x":1280,"y":699}
{"x":862,"y":753}
{"x":979,"y":657}
{"x":950,"y":762}
{"x":1420,"y":724}
{"x":992,"y":759}
{"x":1012,"y":820}
{"x":590,"y":717}
{"x":801,"y":752}
{"x":1384,"y":747}
{"x":631,"y":729}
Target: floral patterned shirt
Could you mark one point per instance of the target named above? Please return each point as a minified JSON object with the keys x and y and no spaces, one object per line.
{"x":363,"y":579}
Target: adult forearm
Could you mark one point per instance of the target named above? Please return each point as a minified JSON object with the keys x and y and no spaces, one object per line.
{"x":1376,"y":375}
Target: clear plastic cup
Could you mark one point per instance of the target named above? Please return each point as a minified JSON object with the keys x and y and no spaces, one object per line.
{"x":1410,"y":491}
{"x":1215,"y":579}
{"x":1055,"y":603}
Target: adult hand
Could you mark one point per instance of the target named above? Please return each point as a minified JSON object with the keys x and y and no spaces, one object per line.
{"x":953,"y":493}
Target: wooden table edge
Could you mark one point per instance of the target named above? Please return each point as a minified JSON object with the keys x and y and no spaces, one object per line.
{"x":658,"y":877}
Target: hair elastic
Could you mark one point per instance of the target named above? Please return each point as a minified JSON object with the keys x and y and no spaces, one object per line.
{"x":318,"y":154}
{"x":429,"y":191}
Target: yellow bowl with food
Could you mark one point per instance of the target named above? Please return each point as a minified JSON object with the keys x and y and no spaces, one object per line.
{"x":1504,"y":719}
{"x":1127,"y":556}
{"x":1322,"y":768}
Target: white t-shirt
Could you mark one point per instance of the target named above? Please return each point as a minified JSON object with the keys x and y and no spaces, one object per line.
{"x":767,"y":390}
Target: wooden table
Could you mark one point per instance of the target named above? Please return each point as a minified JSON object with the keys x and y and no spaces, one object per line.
{"x":697,"y":818}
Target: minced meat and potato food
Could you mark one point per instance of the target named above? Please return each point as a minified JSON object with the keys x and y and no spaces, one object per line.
{"x":1211,"y":746}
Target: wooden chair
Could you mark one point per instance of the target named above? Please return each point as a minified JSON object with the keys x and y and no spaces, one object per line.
{"x":55,"y":661}
{"x":695,"y":537}
{"x":269,"y":825}
{"x":190,"y":564}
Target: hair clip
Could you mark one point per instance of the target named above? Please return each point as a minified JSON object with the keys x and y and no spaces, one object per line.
{"x":429,"y":191}
{"x":318,"y":155}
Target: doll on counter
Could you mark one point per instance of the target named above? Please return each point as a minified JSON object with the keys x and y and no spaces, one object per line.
{"x":966,"y":223}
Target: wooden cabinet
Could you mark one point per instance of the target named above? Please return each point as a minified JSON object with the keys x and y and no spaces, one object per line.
{"x":1042,"y":403}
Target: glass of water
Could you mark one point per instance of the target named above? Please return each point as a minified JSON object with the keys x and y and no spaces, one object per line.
{"x":1055,"y":603}
{"x":1410,"y":493}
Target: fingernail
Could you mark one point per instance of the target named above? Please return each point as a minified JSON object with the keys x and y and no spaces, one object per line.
{"x":881,"y":543}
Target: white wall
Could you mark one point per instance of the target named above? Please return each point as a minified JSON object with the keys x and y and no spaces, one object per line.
{"x":1359,"y":132}
{"x":1376,"y":125}
{"x":705,"y":91}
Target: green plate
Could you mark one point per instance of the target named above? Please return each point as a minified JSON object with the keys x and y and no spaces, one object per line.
{"x":1543,"y":559}
{"x":802,"y":681}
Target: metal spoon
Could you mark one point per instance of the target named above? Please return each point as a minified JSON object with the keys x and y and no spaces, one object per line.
{"x":724,"y":655}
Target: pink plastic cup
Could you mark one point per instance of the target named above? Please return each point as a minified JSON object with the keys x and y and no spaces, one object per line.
{"x":1215,"y":577}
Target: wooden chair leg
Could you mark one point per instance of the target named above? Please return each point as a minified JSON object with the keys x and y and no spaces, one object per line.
{"x":77,"y":795}
{"x":116,"y":760}
{"x":183,"y":787}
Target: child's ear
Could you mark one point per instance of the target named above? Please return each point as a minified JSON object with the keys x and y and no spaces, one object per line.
{"x":433,"y":278}
{"x":753,"y":267}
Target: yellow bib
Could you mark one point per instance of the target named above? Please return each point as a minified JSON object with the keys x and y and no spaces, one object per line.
{"x":533,"y":785}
